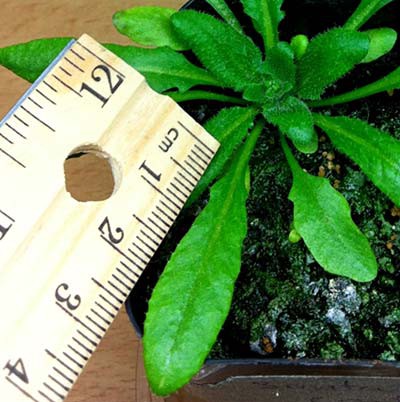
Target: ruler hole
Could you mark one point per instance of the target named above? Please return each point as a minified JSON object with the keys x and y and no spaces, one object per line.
{"x":91,"y":174}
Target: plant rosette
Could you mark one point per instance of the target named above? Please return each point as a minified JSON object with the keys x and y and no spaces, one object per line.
{"x":274,"y":94}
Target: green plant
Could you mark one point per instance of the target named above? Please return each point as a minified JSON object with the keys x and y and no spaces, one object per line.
{"x":281,"y":86}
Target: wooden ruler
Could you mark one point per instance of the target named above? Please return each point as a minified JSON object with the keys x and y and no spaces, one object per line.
{"x":67,"y":267}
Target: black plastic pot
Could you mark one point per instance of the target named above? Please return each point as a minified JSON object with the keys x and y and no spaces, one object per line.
{"x":256,"y":380}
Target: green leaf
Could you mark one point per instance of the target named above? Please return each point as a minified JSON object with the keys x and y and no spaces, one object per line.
{"x":382,"y":41}
{"x":192,"y":298}
{"x":149,"y":26}
{"x":280,"y":64}
{"x":229,"y":127}
{"x":231,"y":57}
{"x":29,"y":60}
{"x":388,"y":83}
{"x":164,"y":68}
{"x":329,"y":56}
{"x":322,"y":218}
{"x":226,"y":13}
{"x":266,"y":16}
{"x":294,"y":119}
{"x":365,"y":10}
{"x":376,"y":152}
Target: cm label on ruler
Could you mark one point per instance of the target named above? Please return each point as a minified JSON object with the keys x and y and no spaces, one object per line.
{"x":67,"y":267}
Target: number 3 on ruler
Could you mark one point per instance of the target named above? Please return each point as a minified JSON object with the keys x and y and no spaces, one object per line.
{"x":98,"y":73}
{"x":67,"y":299}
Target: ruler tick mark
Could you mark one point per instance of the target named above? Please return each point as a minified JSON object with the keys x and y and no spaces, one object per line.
{"x":21,"y":390}
{"x":15,"y":130}
{"x":37,"y":118}
{"x":202,"y":167}
{"x":184,"y":169}
{"x":65,"y":71}
{"x":199,"y":157}
{"x":105,"y":310}
{"x":77,"y":54}
{"x":49,"y":86}
{"x":20,"y":120}
{"x":45,"y":96}
{"x":91,"y":341}
{"x":59,"y":372}
{"x":67,"y":86}
{"x":121,"y":282}
{"x":82,"y":345}
{"x":7,"y":139}
{"x":64,"y":387}
{"x":137,"y":256}
{"x":196,"y":138}
{"x":46,"y":396}
{"x":108,"y":322}
{"x":72,"y":359}
{"x":108,"y":302}
{"x":160,"y":219}
{"x":100,"y":285}
{"x":204,"y":153}
{"x":160,"y":192}
{"x":96,"y":323}
{"x":52,"y":355}
{"x":54,"y":391}
{"x":170,"y":218}
{"x":35,"y":103}
{"x":121,"y":252}
{"x":175,"y":196}
{"x":78,"y":320}
{"x":78,"y":353}
{"x":193,"y":168}
{"x":129,"y":269}
{"x":157,"y":226}
{"x":189,"y":190}
{"x":141,"y":250}
{"x":153,"y":250}
{"x":148,"y":227}
{"x":73,"y":64}
{"x":11,"y":157}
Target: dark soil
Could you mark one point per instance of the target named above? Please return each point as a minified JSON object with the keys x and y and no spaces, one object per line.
{"x":284,"y":304}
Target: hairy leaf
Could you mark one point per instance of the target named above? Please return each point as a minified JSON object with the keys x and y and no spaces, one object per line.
{"x":233,"y":58}
{"x":330,"y":56}
{"x":266,"y":16}
{"x":322,"y":218}
{"x":164,"y":68}
{"x":376,"y":152}
{"x":388,"y":83}
{"x":294,"y":119}
{"x":29,"y":60}
{"x":382,"y":41}
{"x":149,"y":26}
{"x":365,"y":10}
{"x":280,"y":64}
{"x":226,"y":13}
{"x":229,"y":127}
{"x":192,"y":298}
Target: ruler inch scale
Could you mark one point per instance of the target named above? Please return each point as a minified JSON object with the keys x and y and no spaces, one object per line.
{"x":67,"y":267}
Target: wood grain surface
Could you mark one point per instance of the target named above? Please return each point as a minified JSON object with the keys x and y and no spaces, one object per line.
{"x":115,"y":373}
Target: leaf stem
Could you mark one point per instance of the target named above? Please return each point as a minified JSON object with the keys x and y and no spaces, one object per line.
{"x":204,"y":95}
{"x":294,"y":165}
{"x":390,"y":82}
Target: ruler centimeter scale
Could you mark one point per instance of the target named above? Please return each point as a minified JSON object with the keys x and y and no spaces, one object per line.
{"x":67,"y":267}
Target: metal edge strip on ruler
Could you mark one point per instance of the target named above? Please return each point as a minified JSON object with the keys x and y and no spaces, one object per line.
{"x":37,"y":82}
